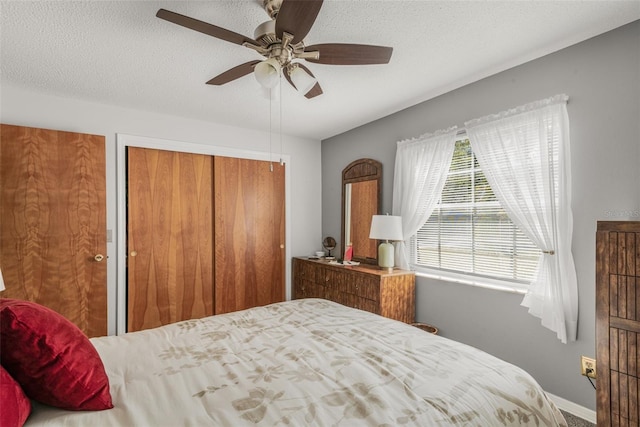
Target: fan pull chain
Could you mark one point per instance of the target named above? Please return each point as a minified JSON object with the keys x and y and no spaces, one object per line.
{"x":280,"y":100}
{"x":270,"y":130}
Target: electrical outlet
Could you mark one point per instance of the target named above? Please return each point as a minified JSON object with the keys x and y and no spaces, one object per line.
{"x":588,"y":366}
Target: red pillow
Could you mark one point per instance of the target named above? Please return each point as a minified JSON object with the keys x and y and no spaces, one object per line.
{"x":15,"y":407}
{"x":51,"y":358}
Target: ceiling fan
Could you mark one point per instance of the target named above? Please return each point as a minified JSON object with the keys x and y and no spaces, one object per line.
{"x":280,"y":41}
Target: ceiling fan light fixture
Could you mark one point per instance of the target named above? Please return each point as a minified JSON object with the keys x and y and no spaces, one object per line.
{"x":301,"y":79}
{"x":267,"y":73}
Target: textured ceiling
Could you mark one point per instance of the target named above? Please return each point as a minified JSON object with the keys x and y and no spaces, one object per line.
{"x":118,"y":52}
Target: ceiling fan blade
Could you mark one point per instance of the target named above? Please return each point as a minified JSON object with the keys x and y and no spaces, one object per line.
{"x":233,"y":73}
{"x":286,"y":76}
{"x":296,"y":17}
{"x":204,"y":27}
{"x":314,"y":91}
{"x":350,"y":54}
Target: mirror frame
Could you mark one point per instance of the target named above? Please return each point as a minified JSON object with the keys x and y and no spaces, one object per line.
{"x":358,"y":171}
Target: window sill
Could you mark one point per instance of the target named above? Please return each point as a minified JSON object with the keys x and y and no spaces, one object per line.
{"x":481,"y":282}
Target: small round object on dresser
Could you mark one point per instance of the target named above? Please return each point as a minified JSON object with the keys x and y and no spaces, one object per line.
{"x":320,"y":254}
{"x":427,"y":328}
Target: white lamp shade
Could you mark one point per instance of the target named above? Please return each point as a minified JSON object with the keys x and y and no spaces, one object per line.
{"x":386,"y":227}
{"x":1,"y":282}
{"x":267,"y":72}
{"x":302,"y":80}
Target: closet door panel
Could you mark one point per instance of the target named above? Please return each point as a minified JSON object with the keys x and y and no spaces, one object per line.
{"x":169,"y":227}
{"x":53,"y":210}
{"x":249,"y":233}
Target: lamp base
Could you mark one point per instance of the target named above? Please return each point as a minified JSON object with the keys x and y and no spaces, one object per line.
{"x":386,"y":256}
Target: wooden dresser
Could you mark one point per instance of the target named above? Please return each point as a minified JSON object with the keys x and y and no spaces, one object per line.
{"x":364,"y":287}
{"x":618,"y":323}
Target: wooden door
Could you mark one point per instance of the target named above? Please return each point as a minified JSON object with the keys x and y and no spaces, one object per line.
{"x":170,"y":247}
{"x":249,"y":233}
{"x":53,"y":214}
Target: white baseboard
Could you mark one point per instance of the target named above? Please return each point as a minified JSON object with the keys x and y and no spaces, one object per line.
{"x":573,"y":408}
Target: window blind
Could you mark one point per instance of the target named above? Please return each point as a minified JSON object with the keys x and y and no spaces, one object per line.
{"x":470,"y":232}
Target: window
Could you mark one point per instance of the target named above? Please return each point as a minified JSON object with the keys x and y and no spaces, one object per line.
{"x":470,"y":233}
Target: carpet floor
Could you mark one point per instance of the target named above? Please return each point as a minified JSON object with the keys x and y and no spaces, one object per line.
{"x":574,"y":421}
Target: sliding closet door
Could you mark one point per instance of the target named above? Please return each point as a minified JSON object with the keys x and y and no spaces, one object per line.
{"x":53,"y":222}
{"x":249,"y":233}
{"x":170,"y":247}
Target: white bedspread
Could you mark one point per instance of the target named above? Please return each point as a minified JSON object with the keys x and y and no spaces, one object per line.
{"x":305,"y":362}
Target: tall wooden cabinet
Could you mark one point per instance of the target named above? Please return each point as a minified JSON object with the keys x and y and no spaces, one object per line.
{"x":364,"y":287}
{"x":618,"y":323}
{"x":53,"y":248}
{"x":205,"y":236}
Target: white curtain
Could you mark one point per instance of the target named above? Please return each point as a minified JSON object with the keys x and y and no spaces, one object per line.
{"x":421,"y":169}
{"x":524,"y":153}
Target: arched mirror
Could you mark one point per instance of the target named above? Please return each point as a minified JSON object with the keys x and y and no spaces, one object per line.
{"x":361,"y":199}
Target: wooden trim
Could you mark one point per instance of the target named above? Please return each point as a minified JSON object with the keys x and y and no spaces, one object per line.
{"x":626,"y":324}
{"x":624,"y":226}
{"x":362,"y":170}
{"x":602,"y":327}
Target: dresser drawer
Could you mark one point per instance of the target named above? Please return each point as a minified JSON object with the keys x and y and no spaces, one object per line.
{"x":364,"y":286}
{"x":305,"y":271}
{"x":331,"y":278}
{"x":305,"y":284}
{"x":307,"y":289}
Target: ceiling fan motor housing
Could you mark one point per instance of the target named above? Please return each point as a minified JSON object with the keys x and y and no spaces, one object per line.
{"x":265,"y":33}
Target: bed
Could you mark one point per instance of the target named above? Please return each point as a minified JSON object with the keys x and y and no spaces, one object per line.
{"x":304,"y":362}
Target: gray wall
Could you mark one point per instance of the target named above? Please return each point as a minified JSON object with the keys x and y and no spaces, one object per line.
{"x":602,"y":78}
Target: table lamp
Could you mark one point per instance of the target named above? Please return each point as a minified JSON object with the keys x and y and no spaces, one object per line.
{"x":386,"y":227}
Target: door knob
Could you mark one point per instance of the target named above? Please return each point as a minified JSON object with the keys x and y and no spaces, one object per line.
{"x":98,"y":257}
{"x":134,"y":253}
